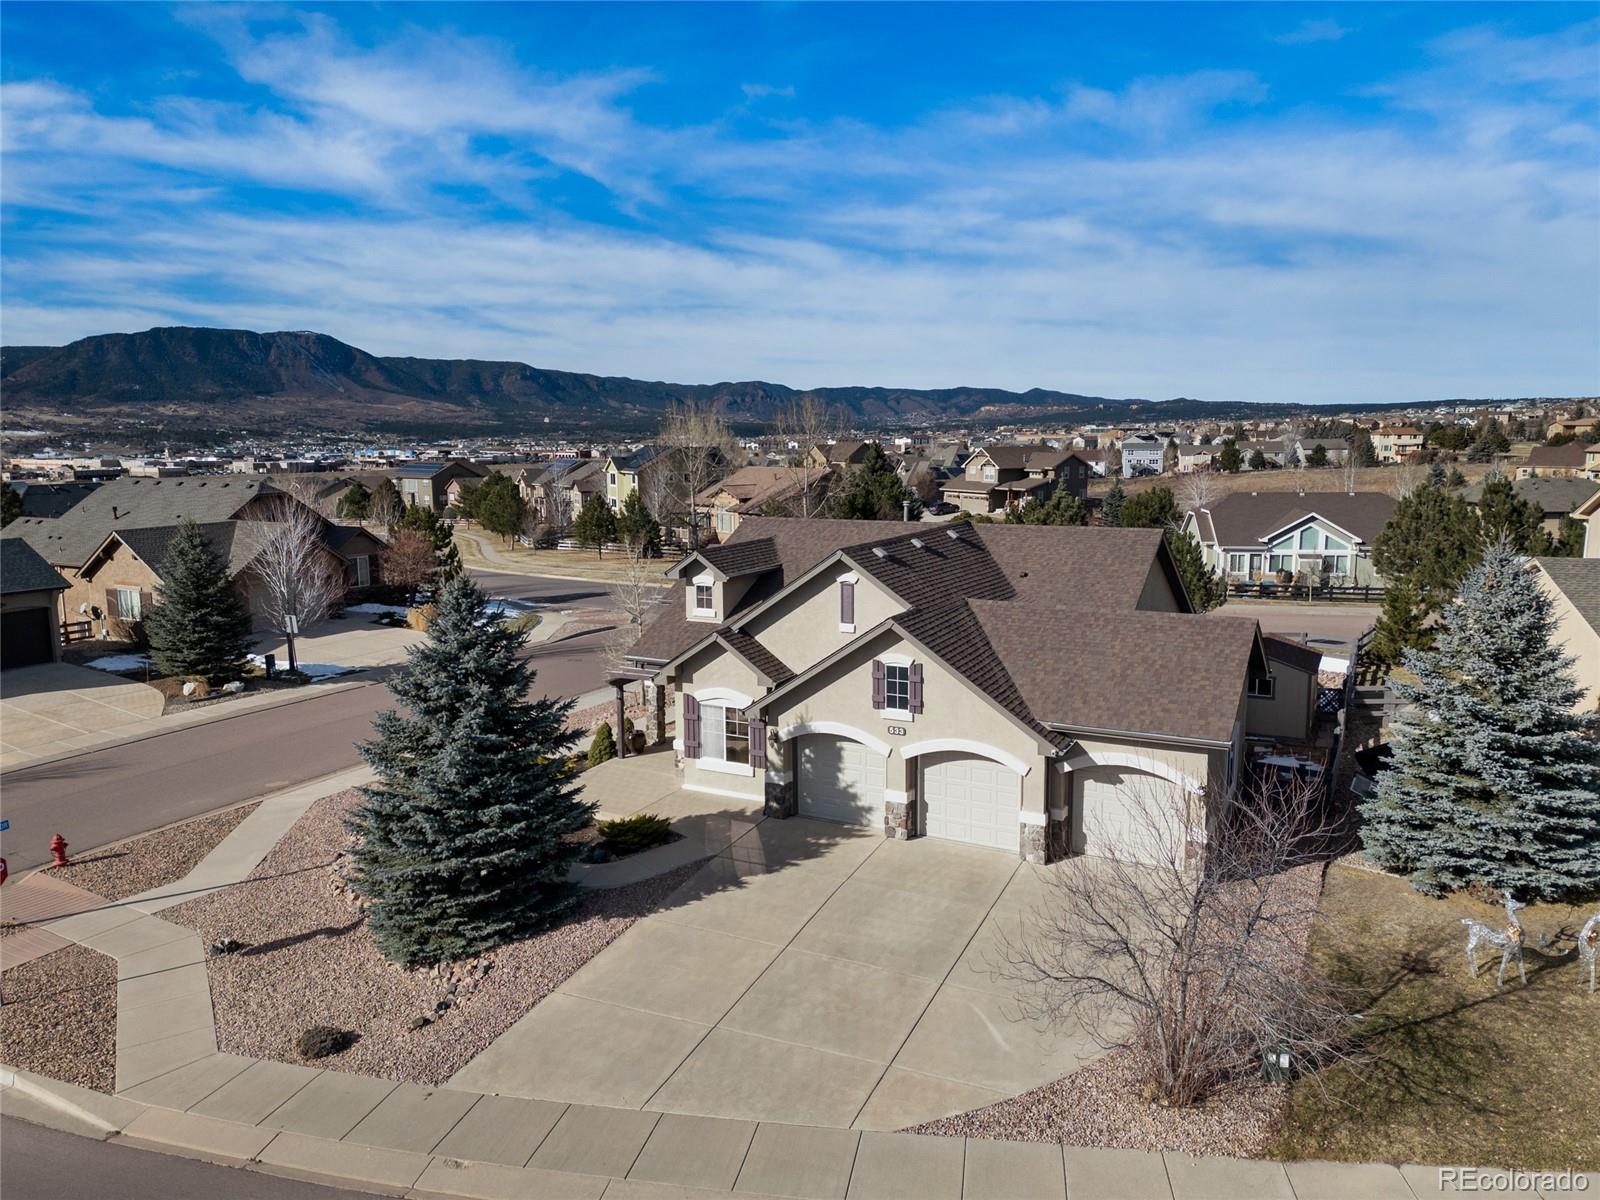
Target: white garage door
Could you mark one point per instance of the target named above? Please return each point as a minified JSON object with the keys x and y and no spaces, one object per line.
{"x":968,"y":799}
{"x":840,"y":780}
{"x":1122,"y":812}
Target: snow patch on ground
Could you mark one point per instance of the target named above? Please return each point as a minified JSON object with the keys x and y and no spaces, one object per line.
{"x":395,"y":610}
{"x":314,"y":670}
{"x":120,"y":662}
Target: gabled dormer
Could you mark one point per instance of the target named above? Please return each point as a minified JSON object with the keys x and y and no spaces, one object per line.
{"x":715,"y":579}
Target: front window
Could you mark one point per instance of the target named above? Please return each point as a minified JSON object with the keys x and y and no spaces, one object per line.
{"x":725,"y":734}
{"x":1236,"y":564}
{"x":1263,"y":687}
{"x":1308,"y":538}
{"x":361,"y":565}
{"x":897,"y":688}
{"x":724,"y":521}
{"x":125,"y":603}
{"x":702,"y":597}
{"x":988,"y":474}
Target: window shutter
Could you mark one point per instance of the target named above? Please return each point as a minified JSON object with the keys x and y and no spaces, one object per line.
{"x":847,"y":603}
{"x":147,"y":601}
{"x":877,"y":684}
{"x":758,"y":743}
{"x":916,"y":687}
{"x":691,"y":727}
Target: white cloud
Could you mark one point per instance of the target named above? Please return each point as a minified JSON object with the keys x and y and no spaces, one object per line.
{"x":760,"y":91}
{"x":1112,"y":241}
{"x":1309,"y":31}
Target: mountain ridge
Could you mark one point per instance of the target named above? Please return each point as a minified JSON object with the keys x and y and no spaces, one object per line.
{"x":177,"y":375}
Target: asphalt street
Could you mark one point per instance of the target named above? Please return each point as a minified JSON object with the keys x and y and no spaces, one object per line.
{"x":42,"y":1164}
{"x":107,"y":795}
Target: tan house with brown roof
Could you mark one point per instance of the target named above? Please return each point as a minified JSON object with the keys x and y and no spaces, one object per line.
{"x":1391,"y":443}
{"x":749,"y":490}
{"x":1570,"y":460}
{"x":951,"y":682}
{"x":996,"y":478}
{"x":1573,"y":585}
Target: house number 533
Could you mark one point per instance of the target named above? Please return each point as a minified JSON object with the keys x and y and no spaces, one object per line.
{"x":897,"y":730}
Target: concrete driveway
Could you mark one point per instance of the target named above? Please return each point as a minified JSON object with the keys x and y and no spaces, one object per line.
{"x":811,"y":973}
{"x":56,"y":707}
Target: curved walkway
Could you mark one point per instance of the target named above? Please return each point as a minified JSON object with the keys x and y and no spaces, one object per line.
{"x":178,"y":1094}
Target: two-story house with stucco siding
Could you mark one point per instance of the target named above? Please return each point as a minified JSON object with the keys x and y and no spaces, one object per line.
{"x":996,"y":478}
{"x":1016,"y":687}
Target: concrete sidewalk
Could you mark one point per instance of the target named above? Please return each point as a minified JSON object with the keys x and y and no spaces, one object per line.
{"x":413,"y":1141}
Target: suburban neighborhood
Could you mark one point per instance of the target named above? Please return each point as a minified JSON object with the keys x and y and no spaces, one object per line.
{"x":920,"y":602}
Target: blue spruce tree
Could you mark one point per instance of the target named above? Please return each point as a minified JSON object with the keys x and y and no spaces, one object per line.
{"x":462,"y":839}
{"x":1495,"y":780}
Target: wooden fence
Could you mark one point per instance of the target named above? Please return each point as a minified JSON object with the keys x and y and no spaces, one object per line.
{"x":1305,"y":592}
{"x":76,"y":631}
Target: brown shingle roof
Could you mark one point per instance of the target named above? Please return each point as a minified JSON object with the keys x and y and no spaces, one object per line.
{"x":758,"y":655}
{"x":1295,"y":654}
{"x":1569,"y":456}
{"x":1244,"y":518}
{"x":1176,"y":675}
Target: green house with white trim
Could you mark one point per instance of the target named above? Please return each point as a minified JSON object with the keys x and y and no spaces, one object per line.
{"x":1317,"y":537}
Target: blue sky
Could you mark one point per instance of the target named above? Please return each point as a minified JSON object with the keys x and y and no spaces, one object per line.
{"x":1318,"y":203}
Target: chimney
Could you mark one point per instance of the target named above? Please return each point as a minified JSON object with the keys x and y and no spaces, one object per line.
{"x":113,"y":512}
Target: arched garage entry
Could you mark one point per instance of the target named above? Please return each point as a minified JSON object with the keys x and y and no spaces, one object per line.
{"x":1121,"y":810}
{"x":968,"y":792}
{"x":841,"y":773}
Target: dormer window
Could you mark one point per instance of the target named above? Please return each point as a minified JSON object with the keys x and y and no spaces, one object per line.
{"x":703,"y":600}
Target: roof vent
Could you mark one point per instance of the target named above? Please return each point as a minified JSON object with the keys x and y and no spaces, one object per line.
{"x":919,"y":543}
{"x":880,"y":552}
{"x":954,"y":534}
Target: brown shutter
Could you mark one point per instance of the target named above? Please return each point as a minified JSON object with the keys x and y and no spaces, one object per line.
{"x":147,"y":601}
{"x":691,"y":726}
{"x":847,"y":603}
{"x":758,"y":743}
{"x":877,"y":684}
{"x":916,"y":687}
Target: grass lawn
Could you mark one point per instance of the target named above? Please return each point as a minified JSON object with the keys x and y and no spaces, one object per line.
{"x":1460,"y":1073}
{"x":584,"y":564}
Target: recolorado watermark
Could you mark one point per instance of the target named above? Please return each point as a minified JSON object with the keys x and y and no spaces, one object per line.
{"x":1484,"y":1179}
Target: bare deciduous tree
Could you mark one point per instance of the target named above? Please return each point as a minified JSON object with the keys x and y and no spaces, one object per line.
{"x":701,"y":448}
{"x":1408,"y":477}
{"x":410,"y":561}
{"x":1197,"y":490}
{"x":1187,"y":949}
{"x":808,"y":422}
{"x":637,"y":593}
{"x":300,"y":578}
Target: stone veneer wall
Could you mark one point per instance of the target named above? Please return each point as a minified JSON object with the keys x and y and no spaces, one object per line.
{"x":897,"y":819}
{"x":782,"y":797}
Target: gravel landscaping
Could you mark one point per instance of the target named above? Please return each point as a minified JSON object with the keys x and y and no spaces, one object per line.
{"x":154,"y":860}
{"x":308,"y":960}
{"x":1104,"y":1105}
{"x":60,"y":1017}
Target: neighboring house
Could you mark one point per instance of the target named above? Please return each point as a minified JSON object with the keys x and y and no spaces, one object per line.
{"x":1336,"y":449}
{"x":1197,"y":458}
{"x":758,"y":490}
{"x":1017,"y":687}
{"x":1567,"y":461}
{"x":1283,"y":701}
{"x":1573,"y":585}
{"x":840,"y":455}
{"x":555,"y":491}
{"x":50,"y":499}
{"x":428,"y":483}
{"x":1554,"y":498}
{"x":1312,"y":535}
{"x":1391,"y":443}
{"x":996,"y":478}
{"x":1589,"y":513}
{"x":1142,"y":454}
{"x":625,"y":473}
{"x":1573,"y":425}
{"x":1275,"y":454}
{"x":1096,"y":459}
{"x":110,"y":545}
{"x":30,"y":626}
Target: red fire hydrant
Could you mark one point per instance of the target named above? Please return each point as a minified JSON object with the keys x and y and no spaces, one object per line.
{"x":58,"y":849}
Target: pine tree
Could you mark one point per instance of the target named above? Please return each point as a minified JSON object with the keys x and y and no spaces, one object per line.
{"x":1063,"y":508}
{"x":1230,"y":460}
{"x":1401,"y":626}
{"x":1318,"y":456}
{"x":603,"y":747}
{"x":356,"y":503}
{"x":871,"y":491}
{"x":199,"y":623}
{"x":637,"y":527}
{"x":1432,"y":540}
{"x":425,"y":521}
{"x":1111,"y":506}
{"x":1502,"y":514}
{"x":1258,"y":460}
{"x":1206,"y":588}
{"x":1361,"y":447}
{"x":1154,"y":509}
{"x":499,"y":507}
{"x":1436,"y":475}
{"x":1495,"y":780}
{"x":461,"y":842}
{"x":596,"y":524}
{"x":10,"y":504}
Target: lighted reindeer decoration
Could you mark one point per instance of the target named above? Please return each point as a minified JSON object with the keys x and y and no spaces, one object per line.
{"x":1589,"y":947}
{"x":1508,"y":941}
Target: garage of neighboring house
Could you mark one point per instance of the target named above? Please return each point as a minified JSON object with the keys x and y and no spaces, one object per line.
{"x":841,"y":779}
{"x":29,"y":632}
{"x":964,"y":798}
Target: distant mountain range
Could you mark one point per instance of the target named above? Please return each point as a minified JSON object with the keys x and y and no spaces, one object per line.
{"x":181,"y":377}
